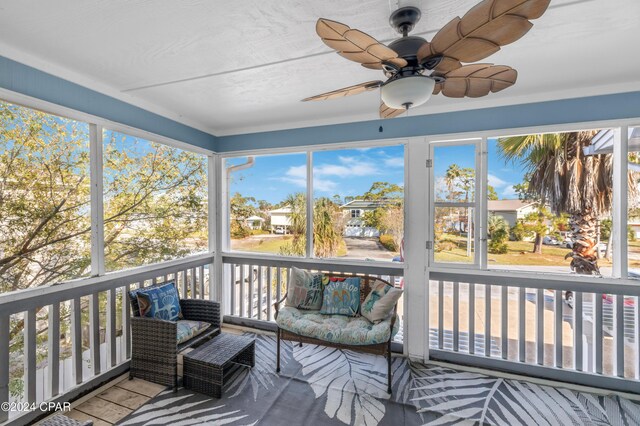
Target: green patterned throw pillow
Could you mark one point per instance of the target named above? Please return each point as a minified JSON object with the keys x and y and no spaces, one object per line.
{"x":380,"y":302}
{"x":304,"y":290}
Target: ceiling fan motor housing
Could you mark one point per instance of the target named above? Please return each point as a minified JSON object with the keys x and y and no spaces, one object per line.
{"x":407,"y":48}
{"x":404,"y":19}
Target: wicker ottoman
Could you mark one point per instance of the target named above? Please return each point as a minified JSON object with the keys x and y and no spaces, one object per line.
{"x":206,"y":368}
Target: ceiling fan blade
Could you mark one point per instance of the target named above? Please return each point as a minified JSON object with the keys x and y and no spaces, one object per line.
{"x":484,"y":28}
{"x":355,"y":45}
{"x":476,"y":80}
{"x":346,"y":91}
{"x":388,"y":112}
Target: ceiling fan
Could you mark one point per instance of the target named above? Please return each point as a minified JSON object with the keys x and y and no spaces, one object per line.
{"x":415,"y":68}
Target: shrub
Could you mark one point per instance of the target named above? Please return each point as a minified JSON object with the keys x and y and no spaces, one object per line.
{"x":238,"y":231}
{"x":518,"y":232}
{"x":446,"y":244}
{"x":388,"y":242}
{"x":497,"y":244}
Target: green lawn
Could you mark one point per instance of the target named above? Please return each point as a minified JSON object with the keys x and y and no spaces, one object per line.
{"x":520,"y":253}
{"x":261,"y":245}
{"x":271,"y":244}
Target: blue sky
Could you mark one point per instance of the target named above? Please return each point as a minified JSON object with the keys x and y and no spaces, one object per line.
{"x":351,"y":172}
{"x":502,"y":175}
{"x":346,"y":172}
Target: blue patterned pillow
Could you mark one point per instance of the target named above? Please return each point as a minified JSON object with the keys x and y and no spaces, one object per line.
{"x":160,"y":302}
{"x":341,"y":296}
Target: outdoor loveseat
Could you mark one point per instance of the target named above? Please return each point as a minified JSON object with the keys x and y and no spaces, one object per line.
{"x":154,"y":342}
{"x":339,"y":331}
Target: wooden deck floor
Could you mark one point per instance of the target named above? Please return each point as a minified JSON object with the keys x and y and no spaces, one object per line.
{"x":120,"y":397}
{"x":114,"y":401}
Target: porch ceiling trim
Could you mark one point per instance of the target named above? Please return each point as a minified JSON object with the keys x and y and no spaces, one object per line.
{"x":566,"y":111}
{"x":29,"y":81}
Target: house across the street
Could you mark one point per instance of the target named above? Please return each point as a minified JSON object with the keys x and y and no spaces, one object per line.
{"x":354,"y":212}
{"x":510,"y":210}
{"x":280,"y":220}
{"x":254,"y":222}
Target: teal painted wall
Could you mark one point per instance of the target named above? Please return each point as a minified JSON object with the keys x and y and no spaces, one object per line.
{"x":594,"y":108}
{"x":29,"y":81}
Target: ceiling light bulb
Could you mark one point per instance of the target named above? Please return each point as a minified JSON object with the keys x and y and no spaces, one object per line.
{"x":407,"y":92}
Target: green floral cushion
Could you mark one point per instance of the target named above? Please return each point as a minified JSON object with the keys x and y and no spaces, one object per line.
{"x":304,"y":290}
{"x":336,"y":328}
{"x":380,"y":302}
{"x":341,"y":296}
{"x":190,"y":329}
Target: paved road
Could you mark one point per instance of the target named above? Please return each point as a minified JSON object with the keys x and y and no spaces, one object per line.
{"x":366,"y":248}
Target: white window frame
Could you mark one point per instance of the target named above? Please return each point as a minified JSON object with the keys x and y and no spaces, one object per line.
{"x":96,"y":125}
{"x":477,"y":143}
{"x":309,"y":151}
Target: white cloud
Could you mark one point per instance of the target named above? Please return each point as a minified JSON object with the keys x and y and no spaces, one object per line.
{"x":352,"y":167}
{"x":324,"y":185}
{"x":295,"y":175}
{"x":394,"y":162}
{"x":299,"y":182}
{"x":297,"y":171}
{"x":495,"y":181}
{"x":509,"y":192}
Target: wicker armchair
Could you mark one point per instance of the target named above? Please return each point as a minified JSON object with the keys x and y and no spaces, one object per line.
{"x":154,"y":348}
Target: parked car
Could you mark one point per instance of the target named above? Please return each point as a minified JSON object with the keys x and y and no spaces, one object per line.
{"x":279,"y":230}
{"x":550,"y":241}
{"x":602,"y":247}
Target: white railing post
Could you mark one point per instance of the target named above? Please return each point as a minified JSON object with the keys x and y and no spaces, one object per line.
{"x":76,"y":339}
{"x":30,"y":355}
{"x":4,"y":364}
{"x":620,"y":202}
{"x":111,"y":328}
{"x":53,"y":350}
{"x":94,"y":332}
{"x":97,"y":202}
{"x":309,"y":237}
{"x":212,"y":230}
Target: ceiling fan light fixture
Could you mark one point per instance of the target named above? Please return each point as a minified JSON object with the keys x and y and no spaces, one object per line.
{"x":407,"y":92}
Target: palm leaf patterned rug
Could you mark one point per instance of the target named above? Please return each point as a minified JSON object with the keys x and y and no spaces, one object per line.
{"x":325,"y":386}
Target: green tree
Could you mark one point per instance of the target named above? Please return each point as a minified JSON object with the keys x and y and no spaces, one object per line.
{"x":491,"y":193}
{"x":327,"y":234}
{"x":154,"y":206}
{"x":298,"y":227}
{"x":383,"y":191}
{"x":569,"y":182}
{"x":327,"y":227}
{"x":498,"y":232}
{"x":240,"y":208}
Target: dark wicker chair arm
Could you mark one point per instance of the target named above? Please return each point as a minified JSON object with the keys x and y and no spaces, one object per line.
{"x":153,"y":333}
{"x":276,"y":305}
{"x":201,"y":310}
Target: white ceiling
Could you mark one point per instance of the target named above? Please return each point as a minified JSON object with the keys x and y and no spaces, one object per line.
{"x":241,"y":66}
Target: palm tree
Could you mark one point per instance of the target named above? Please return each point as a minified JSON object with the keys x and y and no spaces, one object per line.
{"x":495,"y":223}
{"x":326,"y":235}
{"x":298,"y":224}
{"x":326,"y":227}
{"x":566,"y":180}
